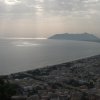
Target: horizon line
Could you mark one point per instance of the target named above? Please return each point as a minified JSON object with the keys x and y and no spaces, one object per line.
{"x":38,"y":38}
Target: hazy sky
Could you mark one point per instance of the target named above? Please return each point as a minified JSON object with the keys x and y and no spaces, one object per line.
{"x":42,"y":18}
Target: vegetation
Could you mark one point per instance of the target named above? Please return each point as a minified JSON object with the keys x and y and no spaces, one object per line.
{"x":7,"y":89}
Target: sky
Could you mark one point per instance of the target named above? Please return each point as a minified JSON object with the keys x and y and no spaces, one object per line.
{"x":43,"y":18}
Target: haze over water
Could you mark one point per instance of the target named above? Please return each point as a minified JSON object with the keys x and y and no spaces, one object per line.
{"x":18,"y":55}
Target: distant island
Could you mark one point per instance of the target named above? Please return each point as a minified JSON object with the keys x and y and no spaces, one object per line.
{"x":78,"y":37}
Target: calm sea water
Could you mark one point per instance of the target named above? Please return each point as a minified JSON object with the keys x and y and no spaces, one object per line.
{"x":25,"y":54}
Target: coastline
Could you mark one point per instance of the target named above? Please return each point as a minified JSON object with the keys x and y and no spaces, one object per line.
{"x":82,"y":60}
{"x":67,"y":80}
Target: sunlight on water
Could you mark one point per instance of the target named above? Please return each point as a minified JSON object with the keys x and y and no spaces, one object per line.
{"x":24,"y":44}
{"x":27,"y":45}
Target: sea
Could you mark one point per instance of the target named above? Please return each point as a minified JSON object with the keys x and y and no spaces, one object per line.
{"x":22,"y":54}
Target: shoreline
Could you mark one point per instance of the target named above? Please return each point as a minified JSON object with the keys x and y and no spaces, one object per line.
{"x":87,"y":64}
{"x":55,"y":65}
{"x":61,"y":64}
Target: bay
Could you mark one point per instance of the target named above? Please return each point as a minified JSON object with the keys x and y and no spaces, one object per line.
{"x":18,"y":55}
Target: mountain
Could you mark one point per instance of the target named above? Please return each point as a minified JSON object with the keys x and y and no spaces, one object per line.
{"x":78,"y":37}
